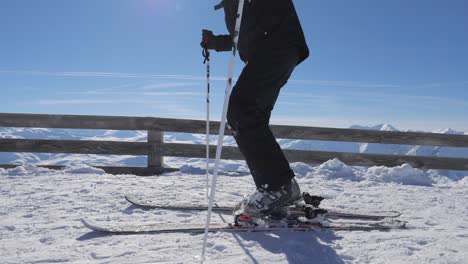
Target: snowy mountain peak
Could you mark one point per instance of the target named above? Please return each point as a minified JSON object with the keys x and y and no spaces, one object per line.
{"x":381,"y":127}
{"x":387,"y":127}
{"x":449,"y":131}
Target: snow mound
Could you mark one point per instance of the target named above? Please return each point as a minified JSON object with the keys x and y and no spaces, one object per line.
{"x":33,"y":170}
{"x":301,"y":169}
{"x":404,"y":174}
{"x":26,"y":170}
{"x":335,"y":169}
{"x":198,"y":166}
{"x":464,"y":181}
{"x":82,"y":169}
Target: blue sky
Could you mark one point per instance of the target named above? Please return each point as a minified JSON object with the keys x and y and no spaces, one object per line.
{"x":399,"y":62}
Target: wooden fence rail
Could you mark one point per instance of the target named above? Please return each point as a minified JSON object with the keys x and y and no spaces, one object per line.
{"x":155,"y":148}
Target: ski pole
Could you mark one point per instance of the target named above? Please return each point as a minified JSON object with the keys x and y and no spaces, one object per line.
{"x":222,"y":127}
{"x":206,"y":55}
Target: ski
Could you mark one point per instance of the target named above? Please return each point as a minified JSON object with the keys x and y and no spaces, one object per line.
{"x":112,"y":228}
{"x":149,"y":204}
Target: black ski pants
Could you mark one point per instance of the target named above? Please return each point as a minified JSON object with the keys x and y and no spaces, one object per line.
{"x":250,"y":105}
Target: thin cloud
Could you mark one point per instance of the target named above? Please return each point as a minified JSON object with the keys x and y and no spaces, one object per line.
{"x":442,"y":84}
{"x":178,"y":94}
{"x":376,"y":96}
{"x":136,"y":89}
{"x":339,"y":83}
{"x":421,"y":100}
{"x":174,"y":93}
{"x":110,"y":90}
{"x":169,"y":85}
{"x":88,"y":102}
{"x":189,"y":77}
{"x":114,"y":74}
{"x":306,"y":96}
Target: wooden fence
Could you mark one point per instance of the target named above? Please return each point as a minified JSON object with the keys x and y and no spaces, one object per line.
{"x":155,"y":148}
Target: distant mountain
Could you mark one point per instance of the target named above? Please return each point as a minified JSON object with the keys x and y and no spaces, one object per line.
{"x":394,"y":149}
{"x":450,"y":131}
{"x":381,"y":127}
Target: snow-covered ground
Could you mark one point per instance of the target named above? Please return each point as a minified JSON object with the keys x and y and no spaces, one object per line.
{"x":40,"y":209}
{"x":40,"y":212}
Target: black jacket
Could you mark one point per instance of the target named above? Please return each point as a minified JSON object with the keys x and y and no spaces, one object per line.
{"x":266,"y":24}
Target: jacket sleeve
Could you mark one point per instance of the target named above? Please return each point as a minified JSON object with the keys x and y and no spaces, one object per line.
{"x":223,"y":43}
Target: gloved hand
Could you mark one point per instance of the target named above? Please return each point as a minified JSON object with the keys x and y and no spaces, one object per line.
{"x":213,"y":42}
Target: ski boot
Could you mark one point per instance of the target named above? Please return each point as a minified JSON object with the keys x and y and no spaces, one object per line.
{"x":264,"y":203}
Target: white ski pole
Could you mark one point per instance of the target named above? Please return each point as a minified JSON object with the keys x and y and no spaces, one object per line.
{"x":222,"y":126}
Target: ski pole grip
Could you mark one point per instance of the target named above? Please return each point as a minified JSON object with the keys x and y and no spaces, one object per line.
{"x":208,"y":39}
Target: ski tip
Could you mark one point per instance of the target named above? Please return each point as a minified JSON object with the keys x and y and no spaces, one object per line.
{"x":396,"y":213}
{"x":88,"y":224}
{"x":130,"y":199}
{"x":85,"y":222}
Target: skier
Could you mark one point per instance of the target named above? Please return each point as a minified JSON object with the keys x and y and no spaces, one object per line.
{"x":271,"y":44}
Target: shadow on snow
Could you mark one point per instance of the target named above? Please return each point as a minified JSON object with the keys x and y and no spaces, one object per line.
{"x":91,"y":235}
{"x":298,"y":247}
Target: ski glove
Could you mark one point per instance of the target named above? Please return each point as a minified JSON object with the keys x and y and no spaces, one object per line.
{"x":214,"y":42}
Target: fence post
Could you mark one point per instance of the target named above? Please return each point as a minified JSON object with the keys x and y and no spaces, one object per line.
{"x":155,"y":158}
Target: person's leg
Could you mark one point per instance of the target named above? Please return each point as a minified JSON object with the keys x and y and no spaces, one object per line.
{"x":250,"y":106}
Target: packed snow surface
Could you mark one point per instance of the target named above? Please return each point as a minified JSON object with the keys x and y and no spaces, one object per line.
{"x":41,"y":210}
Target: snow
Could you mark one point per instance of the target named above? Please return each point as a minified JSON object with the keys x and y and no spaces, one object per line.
{"x":40,"y":210}
{"x":404,"y":174}
{"x":335,"y":169}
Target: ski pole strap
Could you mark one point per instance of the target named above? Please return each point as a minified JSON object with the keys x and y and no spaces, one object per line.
{"x":206,"y":55}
